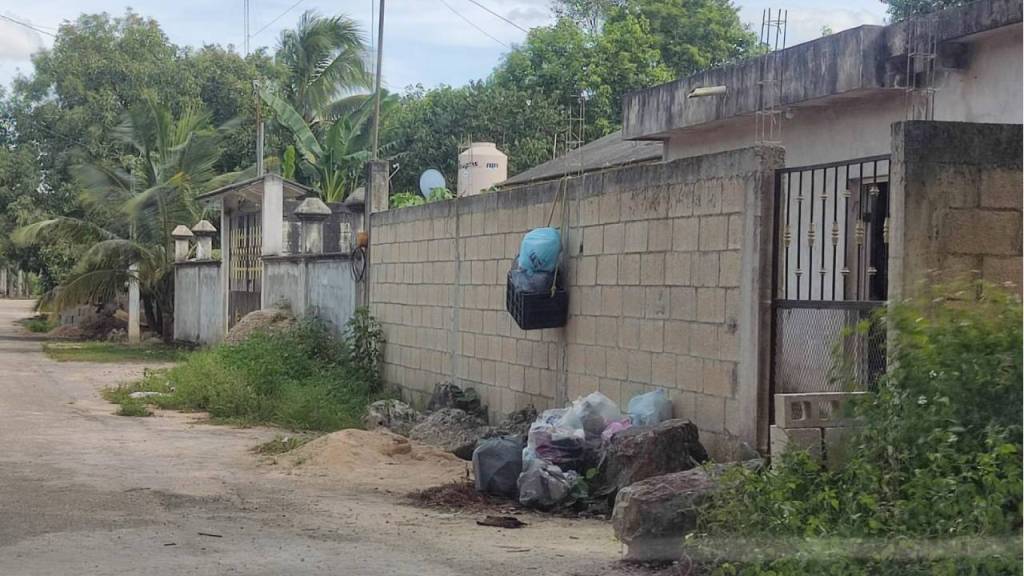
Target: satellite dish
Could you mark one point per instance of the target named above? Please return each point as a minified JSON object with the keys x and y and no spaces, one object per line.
{"x":429,"y":180}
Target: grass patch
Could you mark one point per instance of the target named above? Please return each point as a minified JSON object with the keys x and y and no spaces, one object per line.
{"x":38,"y":324}
{"x":281,"y":444}
{"x":301,"y":378}
{"x":112,"y":352}
{"x":133,"y":407}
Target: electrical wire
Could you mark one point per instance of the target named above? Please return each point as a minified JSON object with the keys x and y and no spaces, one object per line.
{"x":471,"y":23}
{"x":27,"y":25}
{"x":279,"y":16}
{"x":499,"y":16}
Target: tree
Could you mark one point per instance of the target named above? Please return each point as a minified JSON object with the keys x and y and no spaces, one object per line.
{"x":903,"y":9}
{"x":692,"y":35}
{"x":172,"y":160}
{"x":322,"y":59}
{"x":334,"y":162}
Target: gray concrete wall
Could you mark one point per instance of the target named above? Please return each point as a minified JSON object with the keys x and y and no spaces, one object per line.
{"x":317,"y":285}
{"x":198,"y":302}
{"x":989,"y":89}
{"x":666,"y":266}
{"x":956,"y":204}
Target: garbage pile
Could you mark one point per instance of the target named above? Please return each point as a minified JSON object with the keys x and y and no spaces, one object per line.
{"x":587,"y":452}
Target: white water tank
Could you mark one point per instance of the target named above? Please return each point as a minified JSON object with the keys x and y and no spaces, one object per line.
{"x":481,"y":166}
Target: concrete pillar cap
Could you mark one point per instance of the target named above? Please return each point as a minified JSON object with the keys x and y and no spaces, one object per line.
{"x":181,"y":233}
{"x":204,"y":228}
{"x":312,"y":208}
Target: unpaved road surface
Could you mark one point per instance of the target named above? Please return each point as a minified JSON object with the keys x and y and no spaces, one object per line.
{"x":85,"y":492}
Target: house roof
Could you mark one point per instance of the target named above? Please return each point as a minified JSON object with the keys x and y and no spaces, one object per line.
{"x":605,"y":152}
{"x":252,"y":188}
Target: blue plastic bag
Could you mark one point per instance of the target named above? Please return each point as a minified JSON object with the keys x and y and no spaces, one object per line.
{"x":540,"y":250}
{"x":650,"y":408}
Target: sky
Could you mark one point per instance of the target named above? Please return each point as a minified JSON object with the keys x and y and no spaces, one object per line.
{"x":426,"y":42}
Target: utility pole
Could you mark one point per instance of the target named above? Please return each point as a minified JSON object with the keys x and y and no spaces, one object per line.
{"x":377,"y":84}
{"x":259,"y":128}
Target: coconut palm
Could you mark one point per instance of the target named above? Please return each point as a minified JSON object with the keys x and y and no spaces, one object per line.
{"x":170,"y":161}
{"x":324,"y":61}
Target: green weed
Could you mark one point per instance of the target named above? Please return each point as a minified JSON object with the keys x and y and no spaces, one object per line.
{"x":937,"y":463}
{"x":133,"y":407}
{"x":38,"y":324}
{"x":301,"y":378}
{"x":281,"y":444}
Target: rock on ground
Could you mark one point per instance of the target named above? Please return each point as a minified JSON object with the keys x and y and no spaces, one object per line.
{"x":395,"y":415}
{"x":452,"y":430}
{"x":516,"y":424}
{"x":448,"y":395}
{"x":642,"y":452}
{"x":259,"y":321}
{"x":652,"y":516}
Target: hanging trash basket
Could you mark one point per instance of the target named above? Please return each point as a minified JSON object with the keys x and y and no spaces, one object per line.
{"x":536,"y":309}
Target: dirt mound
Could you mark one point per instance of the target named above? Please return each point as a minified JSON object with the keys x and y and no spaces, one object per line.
{"x":459,"y":495}
{"x":260,"y":321}
{"x":378,"y":459}
{"x":69,"y":331}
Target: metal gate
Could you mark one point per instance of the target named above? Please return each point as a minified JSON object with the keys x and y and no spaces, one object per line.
{"x":830,"y":276}
{"x":245,"y":273}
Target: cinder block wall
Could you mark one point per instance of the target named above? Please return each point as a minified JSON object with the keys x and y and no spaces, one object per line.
{"x":666,"y":269}
{"x":956,"y":203}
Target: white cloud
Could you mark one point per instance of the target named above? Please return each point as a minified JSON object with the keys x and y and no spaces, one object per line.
{"x":17,"y":42}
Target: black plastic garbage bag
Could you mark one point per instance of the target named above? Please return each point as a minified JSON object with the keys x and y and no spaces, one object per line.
{"x":497,"y":463}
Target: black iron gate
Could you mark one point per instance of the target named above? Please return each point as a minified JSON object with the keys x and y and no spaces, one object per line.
{"x":830,"y":276}
{"x":245,"y":273}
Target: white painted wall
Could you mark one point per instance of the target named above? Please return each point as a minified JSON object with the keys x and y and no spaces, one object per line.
{"x":988,"y":90}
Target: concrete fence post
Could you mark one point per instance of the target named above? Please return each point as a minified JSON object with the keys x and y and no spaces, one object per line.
{"x":311,"y":213}
{"x":182,"y":236}
{"x":134,"y":331}
{"x":205,"y":232}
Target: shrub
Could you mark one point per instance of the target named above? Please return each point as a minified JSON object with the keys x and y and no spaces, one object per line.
{"x":937,"y":464}
{"x":303,"y":377}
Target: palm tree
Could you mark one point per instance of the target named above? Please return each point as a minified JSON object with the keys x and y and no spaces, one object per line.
{"x":171,"y":161}
{"x":324,"y":60}
{"x":335,"y":161}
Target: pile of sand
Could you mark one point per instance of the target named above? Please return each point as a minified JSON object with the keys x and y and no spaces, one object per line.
{"x":376,"y":458}
{"x":272,"y":320}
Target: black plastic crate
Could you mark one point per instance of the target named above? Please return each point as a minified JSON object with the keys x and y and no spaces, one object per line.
{"x":537,"y":310}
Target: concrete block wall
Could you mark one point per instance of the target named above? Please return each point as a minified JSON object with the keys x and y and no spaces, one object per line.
{"x":198,"y":302}
{"x":956,"y":203}
{"x":665,"y":268}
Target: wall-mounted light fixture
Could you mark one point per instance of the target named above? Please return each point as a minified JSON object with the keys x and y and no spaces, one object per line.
{"x":706,"y":91}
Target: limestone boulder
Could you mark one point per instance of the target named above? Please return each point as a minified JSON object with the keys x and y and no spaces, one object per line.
{"x":394,"y":415}
{"x":652,"y":516}
{"x":643,"y":452}
{"x":451,"y":429}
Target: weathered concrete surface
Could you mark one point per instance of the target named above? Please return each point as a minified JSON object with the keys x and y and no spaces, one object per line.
{"x":198,"y":302}
{"x":956,"y":204}
{"x":319,"y":285}
{"x":85,"y":492}
{"x":859,"y":62}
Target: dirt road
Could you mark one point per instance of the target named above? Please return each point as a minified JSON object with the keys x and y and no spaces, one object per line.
{"x":85,"y":492}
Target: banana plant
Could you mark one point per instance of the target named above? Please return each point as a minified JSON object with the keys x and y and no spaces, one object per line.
{"x":335,"y":160}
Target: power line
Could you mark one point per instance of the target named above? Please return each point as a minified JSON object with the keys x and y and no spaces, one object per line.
{"x":279,"y":16}
{"x":499,"y":16}
{"x":471,"y":23}
{"x":27,"y":25}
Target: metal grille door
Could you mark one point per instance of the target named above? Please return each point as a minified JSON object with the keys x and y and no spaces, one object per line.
{"x":831,"y":275}
{"x":245,"y":274}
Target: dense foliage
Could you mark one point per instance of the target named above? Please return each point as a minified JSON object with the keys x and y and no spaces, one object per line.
{"x":903,"y":9}
{"x":601,"y":49}
{"x":303,"y":377}
{"x":932,"y":482}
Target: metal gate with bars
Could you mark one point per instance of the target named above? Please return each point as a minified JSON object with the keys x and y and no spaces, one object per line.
{"x":830,"y":266}
{"x":245,"y":272}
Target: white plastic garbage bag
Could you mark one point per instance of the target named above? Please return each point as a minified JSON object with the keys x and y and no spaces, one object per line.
{"x":650,"y":408}
{"x":592,"y":414}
